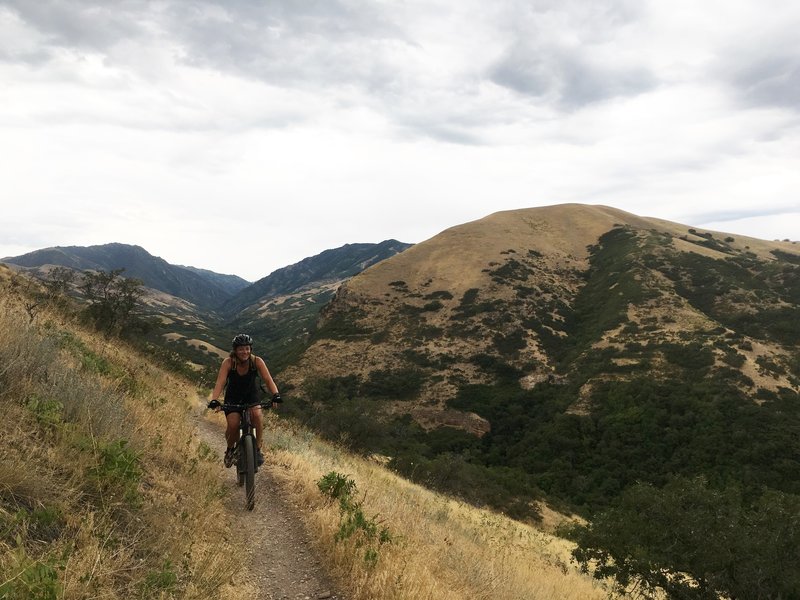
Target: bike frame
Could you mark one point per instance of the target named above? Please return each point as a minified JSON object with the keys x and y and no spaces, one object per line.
{"x":246,"y":465}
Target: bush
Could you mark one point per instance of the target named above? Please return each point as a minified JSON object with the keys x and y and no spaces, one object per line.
{"x":117,"y":471}
{"x":33,"y":579}
{"x":399,"y":384}
{"x":353,"y":523}
{"x":690,"y":540}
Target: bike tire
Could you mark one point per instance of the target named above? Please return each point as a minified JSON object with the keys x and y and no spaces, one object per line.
{"x":250,"y":471}
{"x":240,"y":467}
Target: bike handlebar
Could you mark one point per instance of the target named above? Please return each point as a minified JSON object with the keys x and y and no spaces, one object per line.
{"x":214,"y":404}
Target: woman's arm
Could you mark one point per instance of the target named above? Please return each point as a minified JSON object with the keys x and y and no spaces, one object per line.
{"x":221,"y":378}
{"x":264,"y":372}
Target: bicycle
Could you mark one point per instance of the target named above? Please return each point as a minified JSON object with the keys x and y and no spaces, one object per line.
{"x":245,"y":449}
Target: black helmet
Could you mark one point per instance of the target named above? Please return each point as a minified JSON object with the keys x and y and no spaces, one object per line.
{"x":242,"y":340}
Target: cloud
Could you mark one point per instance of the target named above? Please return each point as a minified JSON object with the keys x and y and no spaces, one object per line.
{"x":569,"y":54}
{"x":317,"y":44}
{"x":567,"y":76}
{"x":386,"y":119}
{"x":87,"y":26}
{"x":759,"y":55}
{"x":772,"y":80}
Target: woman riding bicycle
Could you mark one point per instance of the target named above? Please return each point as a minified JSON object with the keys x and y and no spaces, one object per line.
{"x":238,"y":377}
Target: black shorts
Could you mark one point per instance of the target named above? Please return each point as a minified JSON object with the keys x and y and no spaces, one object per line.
{"x":229,"y":407}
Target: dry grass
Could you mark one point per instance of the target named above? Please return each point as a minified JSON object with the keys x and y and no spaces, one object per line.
{"x":104,"y":490}
{"x":441,"y":548}
{"x":158,"y":532}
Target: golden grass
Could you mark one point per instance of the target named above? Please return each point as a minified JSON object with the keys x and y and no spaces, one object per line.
{"x":441,"y":549}
{"x":72,"y":524}
{"x":170,"y":540}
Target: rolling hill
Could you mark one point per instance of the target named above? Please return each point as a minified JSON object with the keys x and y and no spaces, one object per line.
{"x":571,"y":349}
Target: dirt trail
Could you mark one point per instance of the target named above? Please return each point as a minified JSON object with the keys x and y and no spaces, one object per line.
{"x":282,"y":562}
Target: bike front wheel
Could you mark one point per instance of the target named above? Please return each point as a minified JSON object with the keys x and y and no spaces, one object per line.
{"x":240,"y":466}
{"x":249,"y":471}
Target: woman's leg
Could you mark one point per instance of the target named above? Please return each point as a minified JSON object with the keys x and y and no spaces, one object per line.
{"x":232,"y":430}
{"x":256,"y":418}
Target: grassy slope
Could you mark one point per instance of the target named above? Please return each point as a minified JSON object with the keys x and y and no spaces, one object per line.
{"x":103,"y":490}
{"x":441,"y":549}
{"x":114,"y":498}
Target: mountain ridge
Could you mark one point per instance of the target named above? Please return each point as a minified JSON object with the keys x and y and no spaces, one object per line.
{"x":328,"y":267}
{"x":200,"y":287}
{"x":199,"y":309}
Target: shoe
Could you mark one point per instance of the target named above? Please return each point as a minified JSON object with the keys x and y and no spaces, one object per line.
{"x":259,"y":457}
{"x":230,"y":457}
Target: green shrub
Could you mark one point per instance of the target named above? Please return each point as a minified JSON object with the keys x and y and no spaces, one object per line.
{"x":432,"y":306}
{"x":336,"y":486}
{"x":25,"y":578}
{"x":400,"y":384}
{"x":440,"y":295}
{"x":117,"y":471}
{"x":689,"y":356}
{"x":162,"y":581}
{"x":353,"y":523}
{"x":48,"y":412}
{"x":689,"y":540}
{"x":734,"y":359}
{"x":510,"y":343}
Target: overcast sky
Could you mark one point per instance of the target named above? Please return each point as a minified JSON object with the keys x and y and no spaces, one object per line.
{"x":243,"y":136}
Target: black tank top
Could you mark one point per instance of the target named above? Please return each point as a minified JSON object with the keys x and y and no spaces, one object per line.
{"x":241,"y":389}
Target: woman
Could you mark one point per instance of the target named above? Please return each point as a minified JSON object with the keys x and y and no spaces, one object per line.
{"x":238,"y":377}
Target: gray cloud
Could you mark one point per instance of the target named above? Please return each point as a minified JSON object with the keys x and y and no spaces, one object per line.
{"x":770,"y":80}
{"x":762,"y":62}
{"x":88,"y":25}
{"x":289,"y":43}
{"x":356,"y":53}
{"x":567,"y":77}
{"x":565,"y":53}
{"x":725,"y":215}
{"x":561,"y":53}
{"x":281,"y":42}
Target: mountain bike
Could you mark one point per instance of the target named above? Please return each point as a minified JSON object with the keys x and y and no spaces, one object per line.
{"x":245,"y":449}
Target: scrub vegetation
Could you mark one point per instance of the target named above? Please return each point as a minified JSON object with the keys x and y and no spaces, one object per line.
{"x":104,"y":491}
{"x":661,"y":375}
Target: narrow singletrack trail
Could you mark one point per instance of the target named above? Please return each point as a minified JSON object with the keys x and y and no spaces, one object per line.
{"x":281,"y":561}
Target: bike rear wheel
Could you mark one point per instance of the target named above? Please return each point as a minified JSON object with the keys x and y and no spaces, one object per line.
{"x":249,"y":471}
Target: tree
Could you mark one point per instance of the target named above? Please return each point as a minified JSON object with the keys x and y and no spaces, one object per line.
{"x":112,"y":300}
{"x":58,"y":283}
{"x":693,"y":541}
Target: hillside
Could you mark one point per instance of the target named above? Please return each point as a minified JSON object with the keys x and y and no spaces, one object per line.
{"x":570,"y":349}
{"x":106,"y":491}
{"x":281,"y":310}
{"x":324,"y":270}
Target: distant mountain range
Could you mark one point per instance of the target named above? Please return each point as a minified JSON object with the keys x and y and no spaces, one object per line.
{"x":226,"y":294}
{"x":324,"y":269}
{"x":203,"y":308}
{"x":205,"y":289}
